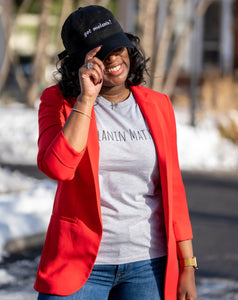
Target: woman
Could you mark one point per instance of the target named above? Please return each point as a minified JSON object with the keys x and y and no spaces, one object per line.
{"x":120,"y":218}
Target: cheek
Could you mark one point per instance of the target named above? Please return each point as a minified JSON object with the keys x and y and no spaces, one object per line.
{"x":128,"y":64}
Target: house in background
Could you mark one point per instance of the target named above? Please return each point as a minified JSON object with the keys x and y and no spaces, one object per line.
{"x":216,"y":38}
{"x":209,"y":61}
{"x":214,"y":41}
{"x":211,"y":50}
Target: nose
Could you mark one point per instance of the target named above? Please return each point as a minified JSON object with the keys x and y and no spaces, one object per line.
{"x":111,"y":57}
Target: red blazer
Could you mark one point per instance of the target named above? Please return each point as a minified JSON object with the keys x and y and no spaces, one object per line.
{"x":75,"y":228}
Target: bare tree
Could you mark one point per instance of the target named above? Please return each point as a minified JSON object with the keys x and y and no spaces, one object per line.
{"x":41,"y":58}
{"x":164,"y":78}
{"x":10,"y":59}
{"x":161,"y":48}
{"x":66,"y":9}
{"x":6,"y":17}
{"x":93,"y":2}
{"x":177,"y":59}
{"x":148,"y":10}
{"x":31,"y":87}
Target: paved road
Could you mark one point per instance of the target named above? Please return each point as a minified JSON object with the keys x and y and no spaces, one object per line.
{"x":213,"y":205}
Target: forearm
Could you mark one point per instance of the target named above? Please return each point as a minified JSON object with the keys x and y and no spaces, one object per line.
{"x":185,"y":249}
{"x":77,"y":125}
{"x":186,"y":283}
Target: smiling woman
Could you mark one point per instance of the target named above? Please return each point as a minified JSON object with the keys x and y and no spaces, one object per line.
{"x":116,"y":70}
{"x":120,"y":219}
{"x":69,"y":66}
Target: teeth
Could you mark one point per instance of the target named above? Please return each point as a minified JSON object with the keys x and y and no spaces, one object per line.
{"x":113,"y":69}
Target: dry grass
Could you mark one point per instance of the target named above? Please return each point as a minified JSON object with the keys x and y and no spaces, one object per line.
{"x":228,"y":126}
{"x":218,"y":95}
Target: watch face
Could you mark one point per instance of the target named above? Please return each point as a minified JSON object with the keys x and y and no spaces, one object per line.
{"x":190,"y":262}
{"x":195,"y":263}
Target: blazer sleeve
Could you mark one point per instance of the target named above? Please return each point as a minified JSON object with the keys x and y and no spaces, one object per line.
{"x":181,"y":220}
{"x":56,"y":157}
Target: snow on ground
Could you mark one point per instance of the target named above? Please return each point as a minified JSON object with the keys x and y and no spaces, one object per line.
{"x":25,"y":202}
{"x":18,"y":134}
{"x":202,"y":148}
{"x":25,"y":205}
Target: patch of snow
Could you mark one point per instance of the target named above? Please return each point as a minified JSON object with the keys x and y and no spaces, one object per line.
{"x":25,"y":205}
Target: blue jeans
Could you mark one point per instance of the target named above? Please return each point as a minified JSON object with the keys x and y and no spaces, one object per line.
{"x":142,"y":280}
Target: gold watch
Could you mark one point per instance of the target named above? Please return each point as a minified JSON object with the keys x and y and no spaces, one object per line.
{"x":189,"y":262}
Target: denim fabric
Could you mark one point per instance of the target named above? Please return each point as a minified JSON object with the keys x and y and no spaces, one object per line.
{"x":142,"y":280}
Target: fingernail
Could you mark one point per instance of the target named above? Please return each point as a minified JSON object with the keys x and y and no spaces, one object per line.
{"x":99,"y":82}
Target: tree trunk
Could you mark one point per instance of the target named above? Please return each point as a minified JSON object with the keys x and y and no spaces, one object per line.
{"x":162,"y":48}
{"x":148,"y":11}
{"x":6,"y":16}
{"x":66,"y":9}
{"x":177,"y":59}
{"x":9,"y":57}
{"x":41,"y":58}
{"x":93,"y":2}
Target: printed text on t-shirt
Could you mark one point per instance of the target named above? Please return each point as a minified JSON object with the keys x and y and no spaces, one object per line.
{"x":123,"y":136}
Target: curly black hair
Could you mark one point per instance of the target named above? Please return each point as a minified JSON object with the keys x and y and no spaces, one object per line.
{"x":69,"y":66}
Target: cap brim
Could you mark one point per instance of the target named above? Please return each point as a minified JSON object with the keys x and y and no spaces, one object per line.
{"x":114,"y":42}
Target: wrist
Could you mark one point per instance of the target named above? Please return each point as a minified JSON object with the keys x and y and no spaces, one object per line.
{"x":188,"y":262}
{"x":84,"y":102}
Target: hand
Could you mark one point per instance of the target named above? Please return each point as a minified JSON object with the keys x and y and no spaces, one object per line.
{"x":91,"y":79}
{"x":186,"y":284}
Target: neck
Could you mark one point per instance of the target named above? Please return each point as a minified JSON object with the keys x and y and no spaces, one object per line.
{"x":115,"y":94}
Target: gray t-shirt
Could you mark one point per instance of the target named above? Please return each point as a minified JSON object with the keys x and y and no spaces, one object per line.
{"x":131,"y":201}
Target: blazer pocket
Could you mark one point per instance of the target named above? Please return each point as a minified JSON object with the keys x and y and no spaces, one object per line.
{"x":63,"y":242}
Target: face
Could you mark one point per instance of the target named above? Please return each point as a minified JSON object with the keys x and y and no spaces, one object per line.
{"x":117,"y":66}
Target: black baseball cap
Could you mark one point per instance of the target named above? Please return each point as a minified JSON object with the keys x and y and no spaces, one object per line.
{"x":91,"y":26}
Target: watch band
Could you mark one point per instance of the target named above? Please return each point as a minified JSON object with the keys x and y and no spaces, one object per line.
{"x":189,"y":262}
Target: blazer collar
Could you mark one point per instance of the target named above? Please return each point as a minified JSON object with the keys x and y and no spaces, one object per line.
{"x":151,"y":105}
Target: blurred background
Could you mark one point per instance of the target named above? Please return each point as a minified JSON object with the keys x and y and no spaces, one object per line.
{"x":193,"y":51}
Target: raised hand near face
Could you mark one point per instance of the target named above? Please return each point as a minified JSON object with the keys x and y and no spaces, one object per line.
{"x":91,"y":76}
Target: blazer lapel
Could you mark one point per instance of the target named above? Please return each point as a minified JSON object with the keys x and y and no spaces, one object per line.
{"x":155,"y":120}
{"x":150,"y":108}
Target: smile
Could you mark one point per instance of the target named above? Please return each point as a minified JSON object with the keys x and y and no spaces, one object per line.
{"x":114,"y":69}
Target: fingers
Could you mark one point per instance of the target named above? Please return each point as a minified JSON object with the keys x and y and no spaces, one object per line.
{"x":90,"y":58}
{"x":93,"y":69}
{"x":93,"y":66}
{"x":92,"y":53}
